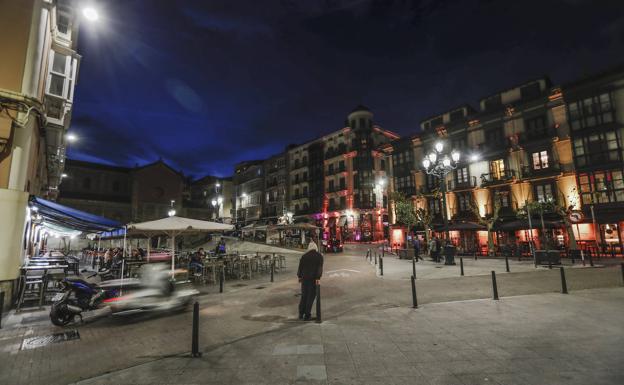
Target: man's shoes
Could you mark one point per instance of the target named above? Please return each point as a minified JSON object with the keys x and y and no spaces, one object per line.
{"x":307,"y":318}
{"x":301,"y":317}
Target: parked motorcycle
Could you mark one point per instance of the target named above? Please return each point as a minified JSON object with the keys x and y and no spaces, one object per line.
{"x":153,"y":292}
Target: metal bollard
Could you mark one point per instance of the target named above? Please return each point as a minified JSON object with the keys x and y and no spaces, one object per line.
{"x":564,"y":285}
{"x":414,"y":299}
{"x":550,"y":264}
{"x":475,"y":255}
{"x":494,"y":286}
{"x":591,"y":259}
{"x":621,"y":265}
{"x":461,"y":266}
{"x":272,"y":269}
{"x":414,"y":266}
{"x":318,"y":303}
{"x":221,"y":279}
{"x":381,"y":266}
{"x":506,"y":264}
{"x":195,"y":343}
{"x":375,"y":257}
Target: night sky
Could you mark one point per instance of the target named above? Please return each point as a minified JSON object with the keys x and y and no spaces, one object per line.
{"x":205,"y":84}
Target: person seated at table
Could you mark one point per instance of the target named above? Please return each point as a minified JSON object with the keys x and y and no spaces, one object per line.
{"x":220,"y":249}
{"x":108,"y":259}
{"x":196,"y":262}
{"x":135,"y":255}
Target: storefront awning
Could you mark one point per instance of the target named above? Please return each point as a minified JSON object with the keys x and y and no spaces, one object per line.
{"x":523,"y":224}
{"x":69,"y":218}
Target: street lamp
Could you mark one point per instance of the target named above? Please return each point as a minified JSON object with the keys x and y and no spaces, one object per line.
{"x":71,"y":138}
{"x":440,"y":163}
{"x":90,"y":13}
{"x":171,"y":211}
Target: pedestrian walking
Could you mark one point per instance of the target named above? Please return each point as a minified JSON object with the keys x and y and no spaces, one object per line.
{"x":416,"y":245}
{"x":309,"y":273}
{"x":434,"y":249}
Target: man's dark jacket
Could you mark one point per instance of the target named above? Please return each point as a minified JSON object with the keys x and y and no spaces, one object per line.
{"x":310,"y":265}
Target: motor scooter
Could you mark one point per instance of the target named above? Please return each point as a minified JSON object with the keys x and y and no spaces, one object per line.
{"x":153,"y":292}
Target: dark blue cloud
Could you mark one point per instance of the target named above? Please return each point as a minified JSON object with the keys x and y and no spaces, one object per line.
{"x":205,"y":84}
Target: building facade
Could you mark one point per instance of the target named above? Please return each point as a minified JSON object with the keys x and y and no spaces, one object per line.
{"x":337,"y":181}
{"x":534,"y":142}
{"x":143,"y":193}
{"x":37,"y":78}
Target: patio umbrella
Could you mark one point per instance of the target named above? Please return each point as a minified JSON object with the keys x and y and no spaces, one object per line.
{"x":173,"y":226}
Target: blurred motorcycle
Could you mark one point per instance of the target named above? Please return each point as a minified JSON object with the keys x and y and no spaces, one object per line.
{"x":153,"y":292}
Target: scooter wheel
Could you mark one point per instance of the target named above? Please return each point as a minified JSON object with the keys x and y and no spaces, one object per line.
{"x":60,"y":317}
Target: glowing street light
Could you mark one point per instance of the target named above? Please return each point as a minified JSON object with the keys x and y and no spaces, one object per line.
{"x":172,"y":211}
{"x":90,"y":13}
{"x":71,"y":138}
{"x":63,"y":175}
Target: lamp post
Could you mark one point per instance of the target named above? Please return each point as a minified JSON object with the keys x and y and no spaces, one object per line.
{"x":440,"y":163}
{"x":217,"y":201}
{"x":171,"y":211}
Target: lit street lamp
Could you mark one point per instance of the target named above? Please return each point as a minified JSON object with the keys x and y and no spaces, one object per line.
{"x":440,"y":163}
{"x":171,"y":211}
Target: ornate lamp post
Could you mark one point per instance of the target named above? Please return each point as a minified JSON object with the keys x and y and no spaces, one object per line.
{"x":440,"y":163}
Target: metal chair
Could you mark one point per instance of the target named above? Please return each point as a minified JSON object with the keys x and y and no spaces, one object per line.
{"x":32,"y":288}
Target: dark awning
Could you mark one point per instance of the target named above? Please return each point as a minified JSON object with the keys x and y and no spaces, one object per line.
{"x":71,"y":218}
{"x":523,"y":224}
{"x":461,"y":226}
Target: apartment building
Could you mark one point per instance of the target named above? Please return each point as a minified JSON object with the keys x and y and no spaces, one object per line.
{"x":530,"y":142}
{"x":248,"y":191}
{"x":595,"y":112}
{"x":37,"y":78}
{"x":275,"y":187}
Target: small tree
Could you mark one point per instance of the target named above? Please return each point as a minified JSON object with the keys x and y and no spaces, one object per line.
{"x":425,"y":218}
{"x":489,"y":220}
{"x":404,"y":210}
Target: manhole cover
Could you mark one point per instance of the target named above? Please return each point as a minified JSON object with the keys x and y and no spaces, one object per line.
{"x":260,"y":287}
{"x":37,"y":342}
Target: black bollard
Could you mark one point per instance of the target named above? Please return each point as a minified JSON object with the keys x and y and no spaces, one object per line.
{"x":564,"y":285}
{"x":621,"y":265}
{"x":221,"y":279}
{"x":272,"y":269}
{"x":195,"y":343}
{"x":475,"y":255}
{"x":318,"y":303}
{"x":381,"y":266}
{"x":591,"y":259}
{"x":461,"y":266}
{"x":506,"y":264}
{"x":494,"y":286}
{"x":375,"y":257}
{"x":414,"y":266}
{"x":414,"y":299}
{"x":550,"y":264}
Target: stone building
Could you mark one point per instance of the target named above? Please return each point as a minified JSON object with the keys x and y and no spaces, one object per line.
{"x":38,"y":74}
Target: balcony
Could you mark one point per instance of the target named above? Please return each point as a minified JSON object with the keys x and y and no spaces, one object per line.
{"x":528,"y":172}
{"x":497,"y":178}
{"x":335,"y":171}
{"x":454,"y":185}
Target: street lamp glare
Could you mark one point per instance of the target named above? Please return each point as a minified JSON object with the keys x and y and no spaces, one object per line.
{"x":455,"y":156}
{"x":214,"y":202}
{"x":474,"y":157}
{"x":219,"y":200}
{"x":90,"y":13}
{"x":218,"y":185}
{"x":432,"y":157}
{"x":446,"y":161}
{"x":63,"y":175}
{"x":426,"y":163}
{"x":439,"y":146}
{"x":244,"y":195}
{"x":71,"y":138}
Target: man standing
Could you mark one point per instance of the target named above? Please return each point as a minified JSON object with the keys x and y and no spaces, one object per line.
{"x":309,"y":273}
{"x":416,"y":244}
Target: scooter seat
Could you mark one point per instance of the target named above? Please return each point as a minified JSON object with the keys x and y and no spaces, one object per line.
{"x":82,"y":281}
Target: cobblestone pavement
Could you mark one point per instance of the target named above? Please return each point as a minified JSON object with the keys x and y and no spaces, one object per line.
{"x":355,"y":302}
{"x":546,"y":339}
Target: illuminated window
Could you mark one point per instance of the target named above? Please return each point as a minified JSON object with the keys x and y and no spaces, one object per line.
{"x":461,"y":175}
{"x":601,"y":186}
{"x":497,"y":168}
{"x":544,"y":192}
{"x":540,"y":160}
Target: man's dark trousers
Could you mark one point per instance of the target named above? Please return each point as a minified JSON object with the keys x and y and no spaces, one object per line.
{"x":308,"y":294}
